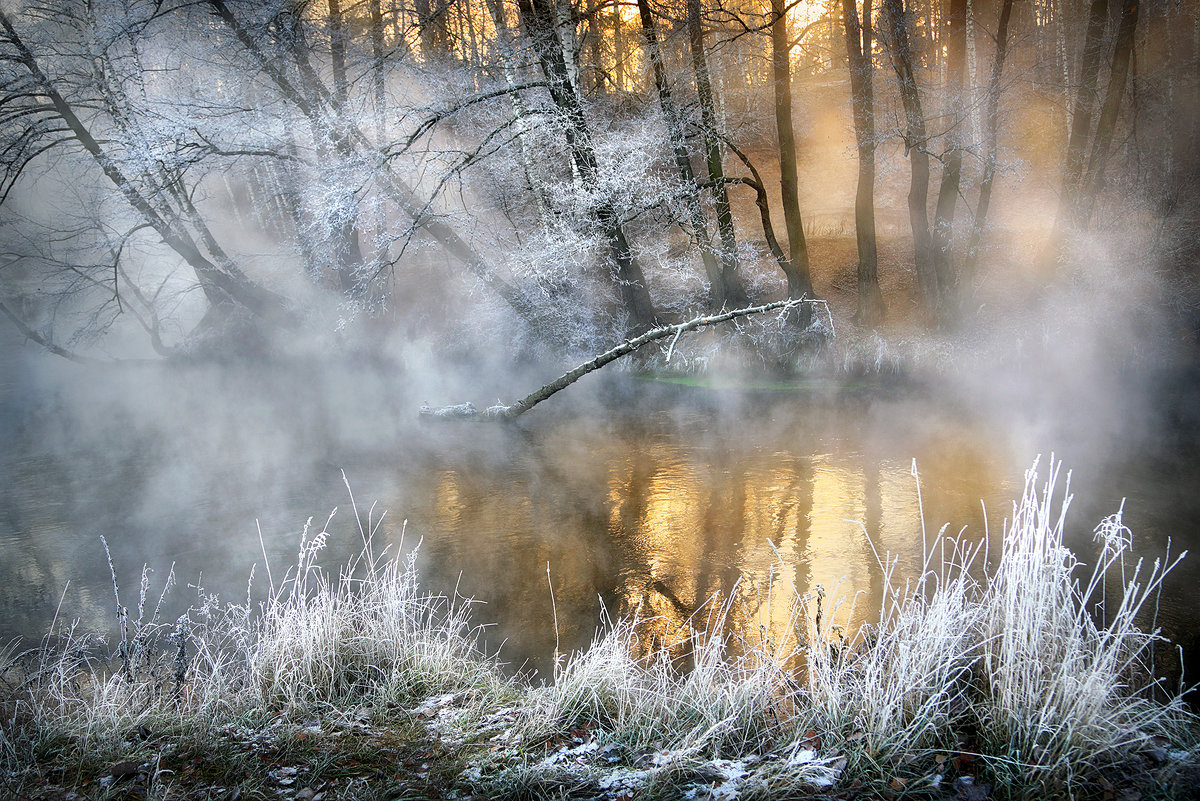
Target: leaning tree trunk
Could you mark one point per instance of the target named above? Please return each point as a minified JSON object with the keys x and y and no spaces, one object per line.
{"x":915,"y":147}
{"x":468,"y":411}
{"x":858,"y":47}
{"x":799,"y":278}
{"x":541,"y":24}
{"x":755,"y":182}
{"x":735,"y":293}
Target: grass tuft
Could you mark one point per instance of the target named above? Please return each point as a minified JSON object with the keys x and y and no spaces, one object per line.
{"x":1034,"y":675}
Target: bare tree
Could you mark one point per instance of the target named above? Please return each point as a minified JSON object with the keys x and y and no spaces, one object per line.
{"x":859,"y":43}
{"x":1081,"y":120}
{"x":349,"y":250}
{"x":81,"y":105}
{"x":312,"y":99}
{"x":541,"y":25}
{"x":916,"y":145}
{"x":991,"y":140}
{"x":943,"y":220}
{"x":1093,"y":180}
{"x":683,"y":161}
{"x":799,"y":277}
{"x":713,"y":159}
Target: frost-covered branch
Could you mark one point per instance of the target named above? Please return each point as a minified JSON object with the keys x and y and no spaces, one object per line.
{"x":467,"y":411}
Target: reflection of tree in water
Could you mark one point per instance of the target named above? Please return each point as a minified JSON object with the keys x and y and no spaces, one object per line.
{"x":641,"y":514}
{"x":716,"y":587}
{"x":665,"y":525}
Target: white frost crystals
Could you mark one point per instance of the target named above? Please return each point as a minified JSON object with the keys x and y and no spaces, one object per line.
{"x":962,"y":672}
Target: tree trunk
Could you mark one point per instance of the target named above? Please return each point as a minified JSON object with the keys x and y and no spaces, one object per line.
{"x":564,"y":19}
{"x":618,"y":46}
{"x":915,"y":147}
{"x":430,"y":23}
{"x":377,"y":71}
{"x":755,"y":182}
{"x":467,"y":411}
{"x":403,"y":195}
{"x":541,"y":24}
{"x":991,"y":144}
{"x":595,"y":54}
{"x":348,"y":249}
{"x":943,"y":220}
{"x":472,"y":37}
{"x":1081,"y":121}
{"x":330,"y":130}
{"x":799,"y":279}
{"x":524,"y":145}
{"x":735,"y":293}
{"x":221,"y":284}
{"x":972,"y":92}
{"x":1060,"y":50}
{"x":683,"y":161}
{"x":858,"y":48}
{"x":1107,"y":124}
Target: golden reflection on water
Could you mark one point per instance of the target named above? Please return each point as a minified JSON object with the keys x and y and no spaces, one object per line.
{"x":665,"y":524}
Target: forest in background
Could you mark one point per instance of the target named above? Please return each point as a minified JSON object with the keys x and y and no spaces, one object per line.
{"x":189,"y":177}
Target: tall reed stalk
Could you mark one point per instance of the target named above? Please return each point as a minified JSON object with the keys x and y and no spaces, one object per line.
{"x":1039,"y":665}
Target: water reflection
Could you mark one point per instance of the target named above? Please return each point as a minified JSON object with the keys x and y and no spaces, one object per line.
{"x":654,"y":502}
{"x":662,"y":516}
{"x":658,"y":504}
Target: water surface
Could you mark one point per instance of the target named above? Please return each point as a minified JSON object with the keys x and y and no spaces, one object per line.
{"x":626,"y":497}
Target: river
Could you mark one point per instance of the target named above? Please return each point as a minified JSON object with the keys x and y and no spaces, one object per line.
{"x":623,"y":495}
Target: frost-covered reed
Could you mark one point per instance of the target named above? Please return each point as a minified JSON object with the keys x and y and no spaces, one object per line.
{"x":1064,"y":668}
{"x":1027,"y":666}
{"x":1036,"y":669}
{"x":371,"y":633}
{"x":367,"y":636}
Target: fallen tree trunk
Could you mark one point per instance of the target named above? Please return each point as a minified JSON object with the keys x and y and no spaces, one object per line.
{"x":467,"y":411}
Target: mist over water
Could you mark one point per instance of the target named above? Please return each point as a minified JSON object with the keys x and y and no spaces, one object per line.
{"x":637,"y":497}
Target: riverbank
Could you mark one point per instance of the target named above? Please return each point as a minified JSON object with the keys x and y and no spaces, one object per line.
{"x":1026,"y":678}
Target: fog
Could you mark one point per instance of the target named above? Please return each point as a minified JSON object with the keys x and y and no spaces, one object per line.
{"x":292,"y":228}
